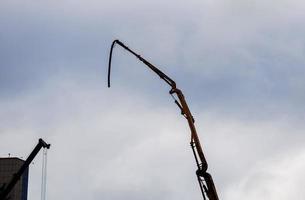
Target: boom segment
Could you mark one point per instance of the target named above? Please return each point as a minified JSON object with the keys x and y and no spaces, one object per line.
{"x":205,"y":180}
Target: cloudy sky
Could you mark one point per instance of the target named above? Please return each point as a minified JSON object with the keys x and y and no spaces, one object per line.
{"x":239,"y":63}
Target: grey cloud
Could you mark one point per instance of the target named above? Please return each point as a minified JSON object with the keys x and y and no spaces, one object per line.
{"x":103,"y":147}
{"x":266,"y":181}
{"x":75,"y":123}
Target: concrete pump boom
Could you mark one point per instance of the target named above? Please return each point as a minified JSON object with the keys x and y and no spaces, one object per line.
{"x":16,"y":177}
{"x":205,"y":180}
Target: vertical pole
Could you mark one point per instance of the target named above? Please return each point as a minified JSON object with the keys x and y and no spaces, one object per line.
{"x":44,"y":175}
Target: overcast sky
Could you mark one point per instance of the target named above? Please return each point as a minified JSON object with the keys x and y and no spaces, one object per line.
{"x":240,"y":64}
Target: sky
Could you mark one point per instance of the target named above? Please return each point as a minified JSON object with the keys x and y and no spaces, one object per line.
{"x":240,"y":65}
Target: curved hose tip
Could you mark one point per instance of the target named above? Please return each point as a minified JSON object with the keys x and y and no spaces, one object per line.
{"x":109,"y":63}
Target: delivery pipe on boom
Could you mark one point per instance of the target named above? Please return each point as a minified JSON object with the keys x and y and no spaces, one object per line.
{"x":205,"y":180}
{"x":27,"y":162}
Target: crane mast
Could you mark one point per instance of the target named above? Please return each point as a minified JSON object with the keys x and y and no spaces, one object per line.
{"x":205,"y":180}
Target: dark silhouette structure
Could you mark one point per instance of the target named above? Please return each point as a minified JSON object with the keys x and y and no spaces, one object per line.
{"x":8,"y":167}
{"x":10,"y":185}
{"x":205,"y":180}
